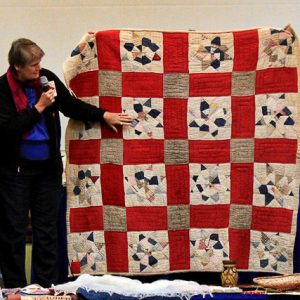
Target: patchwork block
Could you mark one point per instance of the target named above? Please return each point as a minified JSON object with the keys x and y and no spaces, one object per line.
{"x":110,"y":83}
{"x":240,"y":216}
{"x":176,"y":152}
{"x":242,"y":150}
{"x":114,"y":218}
{"x":176,"y":85}
{"x":243,"y":83}
{"x":178,"y":217}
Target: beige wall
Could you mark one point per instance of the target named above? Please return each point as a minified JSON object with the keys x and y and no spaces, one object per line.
{"x":58,"y":25}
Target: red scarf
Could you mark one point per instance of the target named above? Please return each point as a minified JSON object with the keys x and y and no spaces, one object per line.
{"x":18,"y":93}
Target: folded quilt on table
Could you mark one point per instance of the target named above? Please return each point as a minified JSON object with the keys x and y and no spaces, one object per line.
{"x":208,"y":169}
{"x":118,"y":287}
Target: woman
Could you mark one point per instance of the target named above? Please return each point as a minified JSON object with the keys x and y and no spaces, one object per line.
{"x":30,"y":161}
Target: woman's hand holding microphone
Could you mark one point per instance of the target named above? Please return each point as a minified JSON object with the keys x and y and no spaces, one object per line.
{"x":46,"y":99}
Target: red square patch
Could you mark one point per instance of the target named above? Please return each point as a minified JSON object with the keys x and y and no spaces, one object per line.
{"x":275,"y":150}
{"x":75,"y":267}
{"x":271,"y":219}
{"x":116,"y":251}
{"x":277,"y":80}
{"x":245,"y":50}
{"x":209,"y":216}
{"x":210,"y":84}
{"x":112,"y":182}
{"x":179,"y":241}
{"x":147,"y":218}
{"x":209,"y":151}
{"x":239,"y":240}
{"x":175,"y":118}
{"x":142,"y":85}
{"x":143,"y":151}
{"x":243,"y":117}
{"x":83,"y":152}
{"x":86,"y":219}
{"x":176,"y":52}
{"x":85,"y":84}
{"x":111,"y":104}
{"x":178,"y":184}
{"x":108,"y":47}
{"x":241,"y":183}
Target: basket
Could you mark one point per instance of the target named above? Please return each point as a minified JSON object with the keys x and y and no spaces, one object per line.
{"x":280,"y":283}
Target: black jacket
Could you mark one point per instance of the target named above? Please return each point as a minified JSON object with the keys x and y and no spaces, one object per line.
{"x":14,"y":125}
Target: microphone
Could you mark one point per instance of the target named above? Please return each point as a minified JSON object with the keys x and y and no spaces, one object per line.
{"x":45,"y":83}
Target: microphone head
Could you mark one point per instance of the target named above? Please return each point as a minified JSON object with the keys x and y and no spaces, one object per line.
{"x":45,"y":83}
{"x":44,"y":80}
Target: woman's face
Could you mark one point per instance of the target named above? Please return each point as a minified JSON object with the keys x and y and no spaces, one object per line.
{"x":30,"y":71}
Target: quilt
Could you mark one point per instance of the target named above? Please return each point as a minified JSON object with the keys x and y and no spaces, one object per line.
{"x":207,"y":171}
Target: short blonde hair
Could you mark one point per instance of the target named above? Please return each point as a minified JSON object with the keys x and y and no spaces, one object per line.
{"x":23,"y":51}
